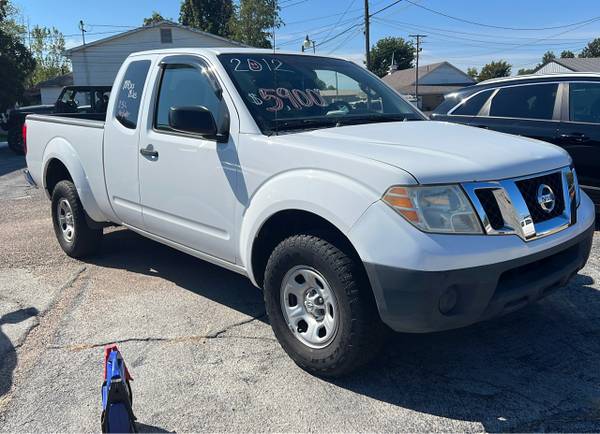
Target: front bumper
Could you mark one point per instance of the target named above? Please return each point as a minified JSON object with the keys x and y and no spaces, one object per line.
{"x":418,"y":290}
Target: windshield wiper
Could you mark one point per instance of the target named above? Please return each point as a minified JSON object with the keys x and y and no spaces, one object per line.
{"x":302,"y":124}
{"x":367,"y":119}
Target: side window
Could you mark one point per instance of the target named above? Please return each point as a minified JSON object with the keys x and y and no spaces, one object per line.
{"x":130,"y":93}
{"x":472,"y":105}
{"x":528,"y":101}
{"x":584,"y":102}
{"x":184,"y":85}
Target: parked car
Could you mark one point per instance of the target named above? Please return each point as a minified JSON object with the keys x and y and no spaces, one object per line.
{"x":563,"y":109}
{"x":349,"y":216}
{"x":87,"y":101}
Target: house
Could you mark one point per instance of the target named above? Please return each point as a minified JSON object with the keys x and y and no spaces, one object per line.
{"x":576,"y":64}
{"x":435,"y":81}
{"x":98,"y":62}
{"x":50,"y":89}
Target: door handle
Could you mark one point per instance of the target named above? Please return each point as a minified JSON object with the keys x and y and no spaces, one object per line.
{"x":149,"y":152}
{"x":576,"y":137}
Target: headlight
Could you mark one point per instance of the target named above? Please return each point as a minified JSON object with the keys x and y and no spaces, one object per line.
{"x":440,"y":208}
{"x":573,"y":185}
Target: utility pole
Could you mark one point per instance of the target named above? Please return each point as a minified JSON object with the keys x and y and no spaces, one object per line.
{"x":418,"y":37}
{"x":367,"y":36}
{"x":82,"y":28}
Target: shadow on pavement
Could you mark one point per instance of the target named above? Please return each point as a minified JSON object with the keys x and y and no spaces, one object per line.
{"x":142,"y":427}
{"x":8,"y":354}
{"x":9,"y":161}
{"x":124,"y":249}
{"x":534,"y":370}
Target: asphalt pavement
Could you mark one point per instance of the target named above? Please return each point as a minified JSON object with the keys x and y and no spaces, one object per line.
{"x":203,"y":356}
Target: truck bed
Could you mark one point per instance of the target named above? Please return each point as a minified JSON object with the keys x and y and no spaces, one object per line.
{"x":79,"y":141}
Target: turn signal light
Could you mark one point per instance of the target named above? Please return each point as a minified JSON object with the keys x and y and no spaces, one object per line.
{"x":398,"y":198}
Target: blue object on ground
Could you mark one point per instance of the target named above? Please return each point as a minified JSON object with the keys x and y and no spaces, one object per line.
{"x":117,"y":412}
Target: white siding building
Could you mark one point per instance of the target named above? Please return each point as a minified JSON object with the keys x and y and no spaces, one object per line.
{"x":435,"y":81}
{"x":98,"y":62}
{"x":586,"y":64}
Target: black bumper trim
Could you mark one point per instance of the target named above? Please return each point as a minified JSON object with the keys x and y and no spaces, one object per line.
{"x":29,"y":178}
{"x":409,"y":300}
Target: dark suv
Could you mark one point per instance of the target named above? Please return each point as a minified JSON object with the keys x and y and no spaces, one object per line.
{"x":563,"y":109}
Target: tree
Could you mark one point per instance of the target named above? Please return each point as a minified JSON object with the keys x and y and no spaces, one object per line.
{"x":548,"y":57}
{"x":254,"y":21}
{"x":526,"y":71}
{"x":592,"y":49}
{"x":495,"y":69}
{"x":212,"y":16}
{"x":16,"y":62}
{"x":567,"y":54}
{"x":155,"y":18}
{"x":473,"y":73}
{"x":402,"y":51}
{"x":48,"y":45}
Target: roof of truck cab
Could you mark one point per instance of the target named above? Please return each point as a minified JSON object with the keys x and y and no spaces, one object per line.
{"x":215,"y":51}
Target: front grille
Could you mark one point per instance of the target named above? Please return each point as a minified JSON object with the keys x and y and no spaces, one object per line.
{"x":529,"y":189}
{"x":490,"y":206}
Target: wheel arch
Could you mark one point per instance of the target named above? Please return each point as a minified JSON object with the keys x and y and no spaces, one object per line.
{"x":61,"y":161}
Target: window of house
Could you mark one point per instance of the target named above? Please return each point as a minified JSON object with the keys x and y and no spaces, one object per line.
{"x":184,"y":86}
{"x":473,"y":105}
{"x":130,"y":93}
{"x":528,"y":101}
{"x":166,"y":36}
{"x":584,"y":102}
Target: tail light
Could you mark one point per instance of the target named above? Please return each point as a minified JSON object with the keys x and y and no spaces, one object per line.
{"x":24,"y":133}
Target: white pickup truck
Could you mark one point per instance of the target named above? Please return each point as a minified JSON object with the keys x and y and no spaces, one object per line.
{"x":324,"y":187}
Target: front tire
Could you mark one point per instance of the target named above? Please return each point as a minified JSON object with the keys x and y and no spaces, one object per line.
{"x":321,"y":307}
{"x":75,"y":236}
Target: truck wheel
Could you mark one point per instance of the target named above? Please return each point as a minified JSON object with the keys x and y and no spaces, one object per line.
{"x":77,"y":239}
{"x":321,"y":307}
{"x":15,"y":141}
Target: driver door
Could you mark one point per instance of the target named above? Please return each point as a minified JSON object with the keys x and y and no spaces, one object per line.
{"x":187,"y":181}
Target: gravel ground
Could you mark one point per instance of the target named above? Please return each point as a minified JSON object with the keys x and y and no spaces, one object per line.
{"x":203,"y":356}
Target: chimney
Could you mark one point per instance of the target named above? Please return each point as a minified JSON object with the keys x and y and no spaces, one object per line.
{"x":393,"y":65}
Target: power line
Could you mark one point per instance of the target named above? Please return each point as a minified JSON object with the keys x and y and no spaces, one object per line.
{"x":475,"y":23}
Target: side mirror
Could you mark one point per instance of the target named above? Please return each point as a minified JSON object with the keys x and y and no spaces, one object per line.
{"x":193,"y":119}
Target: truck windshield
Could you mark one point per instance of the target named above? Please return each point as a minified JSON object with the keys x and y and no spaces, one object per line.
{"x":287,"y":92}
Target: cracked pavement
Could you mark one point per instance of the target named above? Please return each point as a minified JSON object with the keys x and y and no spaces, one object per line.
{"x":203,"y":357}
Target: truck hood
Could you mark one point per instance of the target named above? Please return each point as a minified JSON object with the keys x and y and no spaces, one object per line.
{"x":439,"y":152}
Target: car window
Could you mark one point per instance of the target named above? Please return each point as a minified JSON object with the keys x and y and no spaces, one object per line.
{"x":584,"y":102}
{"x":528,"y":101}
{"x":130,"y":93}
{"x":472,"y":106}
{"x":101,"y":100}
{"x":184,"y":86}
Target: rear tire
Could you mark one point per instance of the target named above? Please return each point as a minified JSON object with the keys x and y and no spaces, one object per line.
{"x":350,"y":332}
{"x":75,"y":236}
{"x":15,"y":141}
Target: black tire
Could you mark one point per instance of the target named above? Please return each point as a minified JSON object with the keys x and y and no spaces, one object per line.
{"x":84,"y":240}
{"x":15,"y":141}
{"x":360,"y":331}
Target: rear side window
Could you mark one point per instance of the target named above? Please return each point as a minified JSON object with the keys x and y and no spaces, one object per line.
{"x":130,"y":93}
{"x":472,"y":106}
{"x":528,"y":102}
{"x":584,"y":102}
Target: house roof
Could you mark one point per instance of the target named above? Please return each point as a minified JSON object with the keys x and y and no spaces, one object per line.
{"x":161,"y":24}
{"x":406,"y":77}
{"x":429,"y":89}
{"x":580,"y":64}
{"x":58,"y":81}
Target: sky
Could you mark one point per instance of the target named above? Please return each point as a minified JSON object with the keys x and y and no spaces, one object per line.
{"x":467,"y":33}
